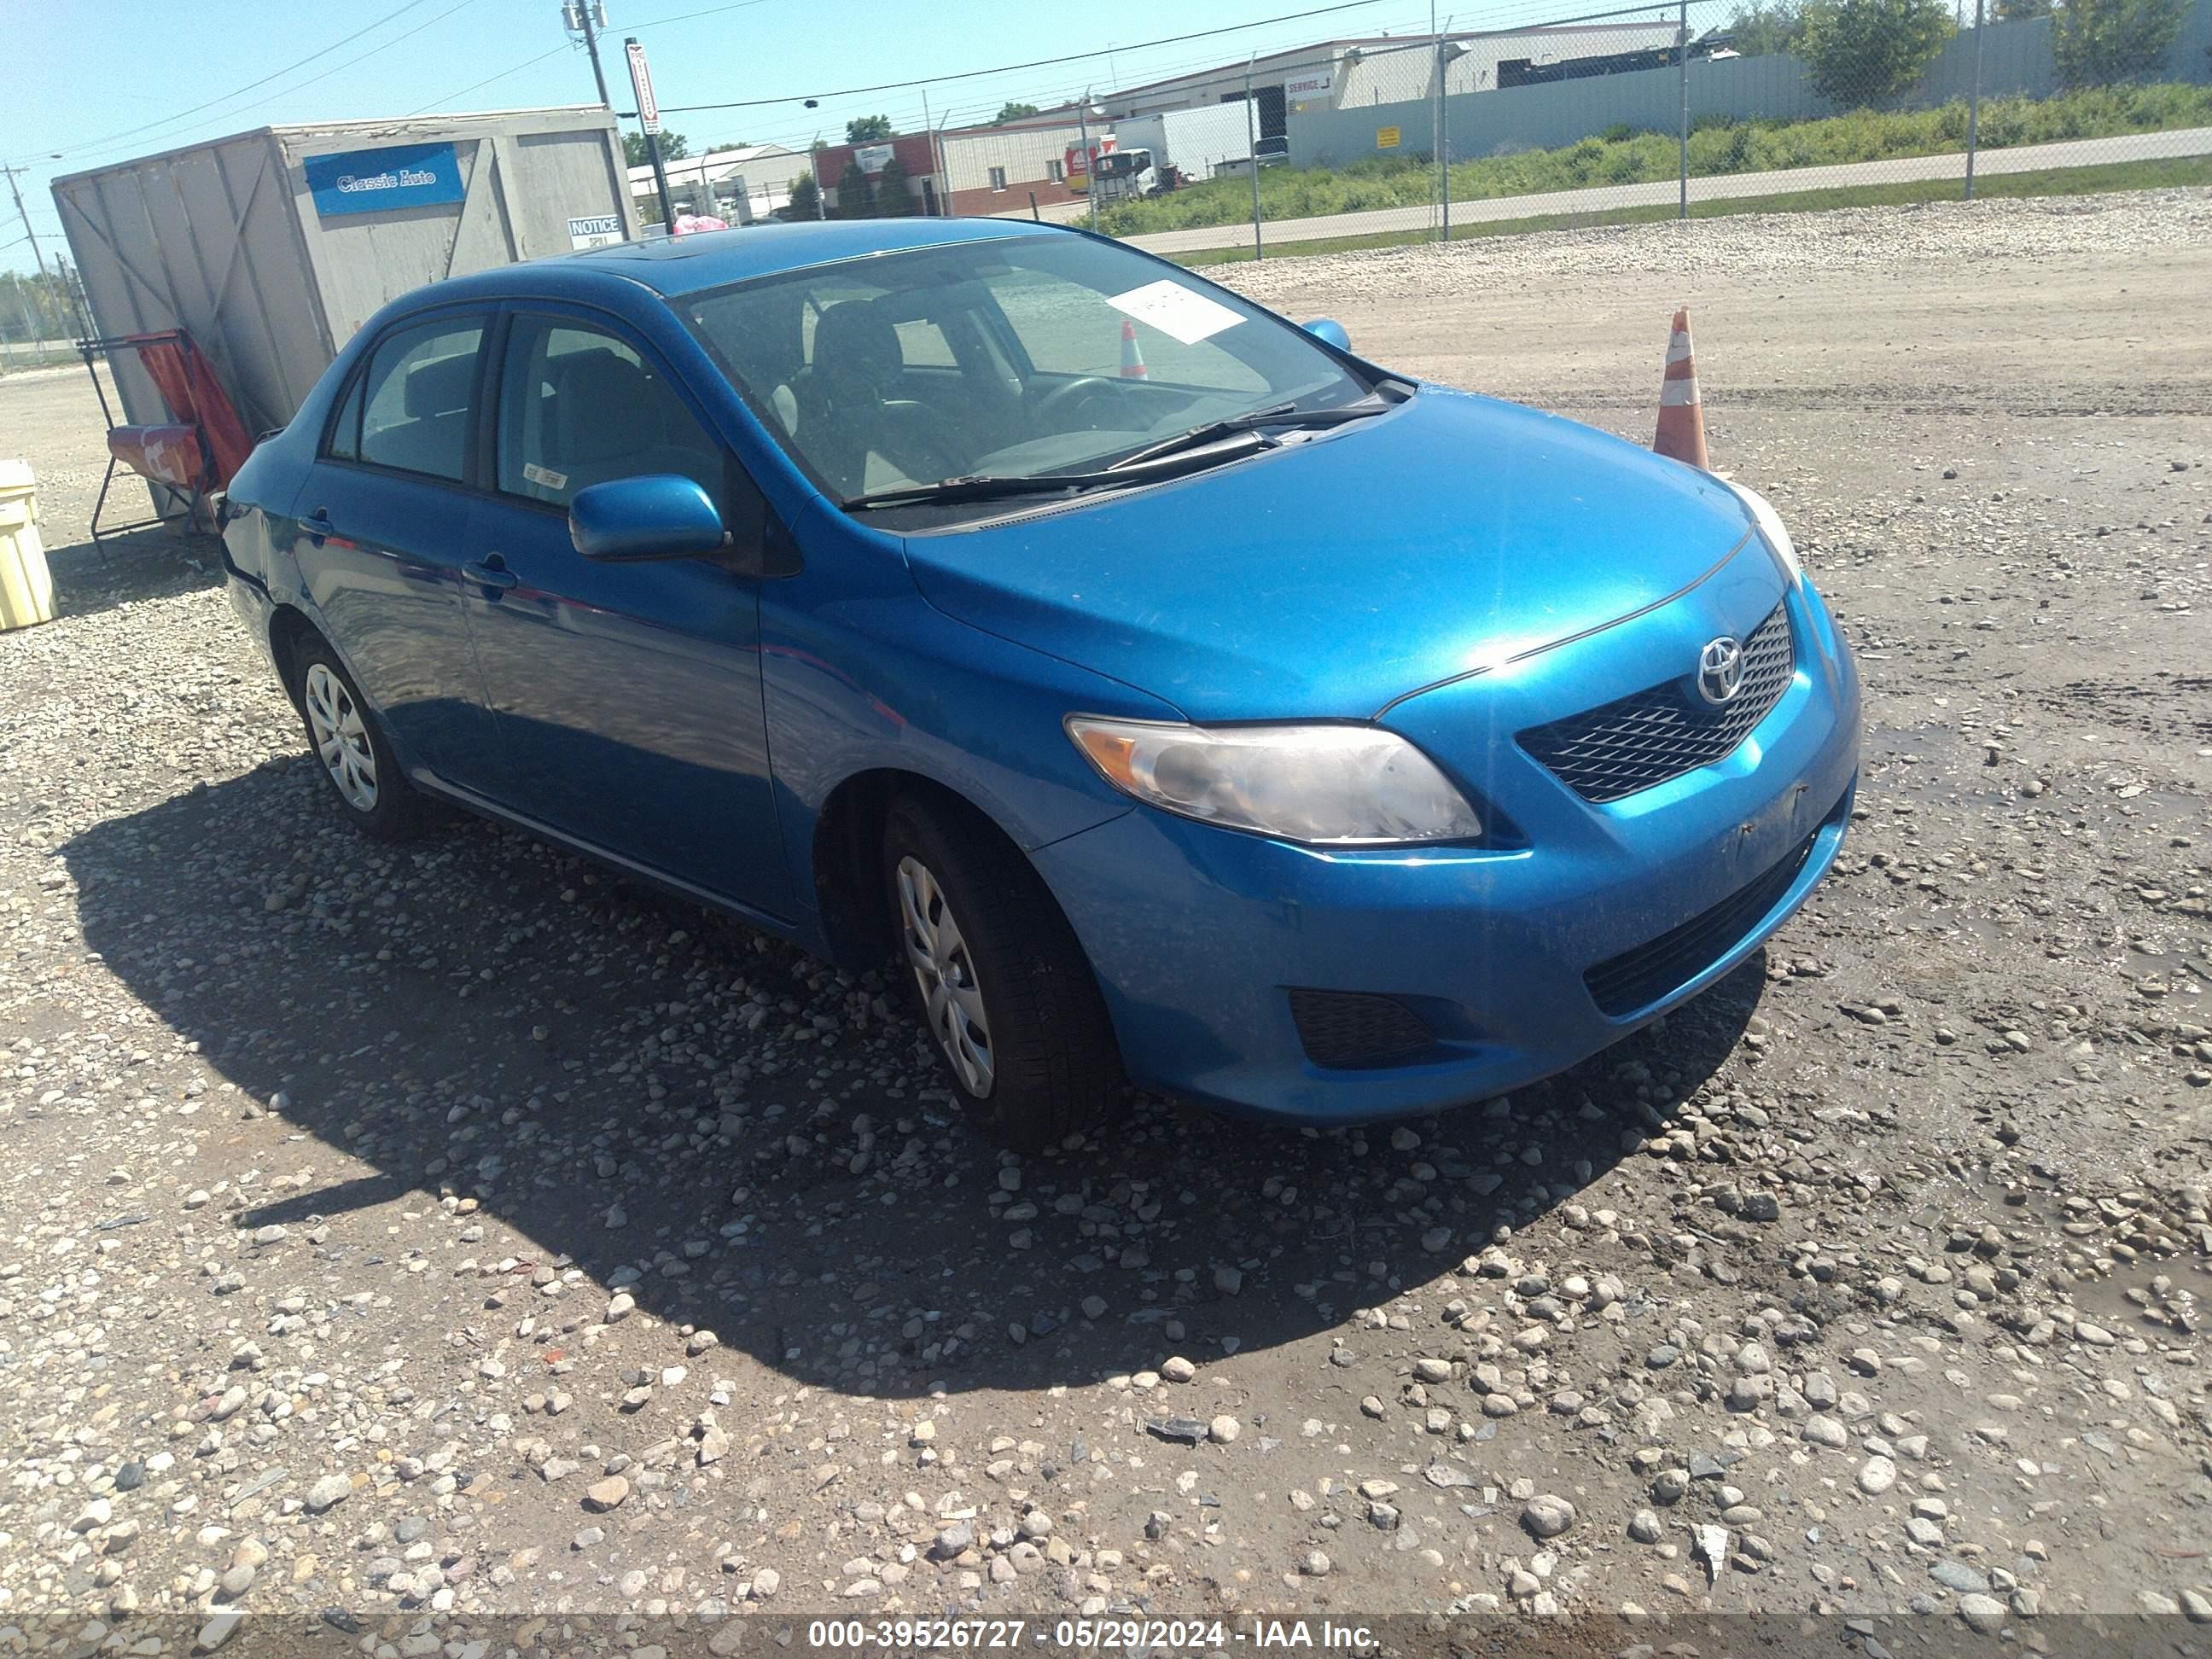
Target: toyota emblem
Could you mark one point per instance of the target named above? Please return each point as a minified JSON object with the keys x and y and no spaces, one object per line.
{"x":1720,"y":669}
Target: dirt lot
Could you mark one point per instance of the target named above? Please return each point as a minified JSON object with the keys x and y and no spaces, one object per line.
{"x":462,"y":1229}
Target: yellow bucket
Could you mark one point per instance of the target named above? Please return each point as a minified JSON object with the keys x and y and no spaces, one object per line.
{"x":26,"y":589}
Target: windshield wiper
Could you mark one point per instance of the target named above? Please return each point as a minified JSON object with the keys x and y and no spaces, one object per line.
{"x":986,"y":487}
{"x":1281,"y":415}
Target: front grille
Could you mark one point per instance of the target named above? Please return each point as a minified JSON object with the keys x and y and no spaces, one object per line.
{"x":1642,"y":740}
{"x":1637,"y":978}
{"x":1349,"y":1028}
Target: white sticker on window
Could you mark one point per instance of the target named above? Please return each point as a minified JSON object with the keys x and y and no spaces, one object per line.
{"x":544,"y":476}
{"x":1180,"y":313}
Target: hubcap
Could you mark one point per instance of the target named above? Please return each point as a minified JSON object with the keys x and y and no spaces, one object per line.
{"x":340,"y":738}
{"x":943,"y":968}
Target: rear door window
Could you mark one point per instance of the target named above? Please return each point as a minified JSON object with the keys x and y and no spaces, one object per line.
{"x":418,"y":396}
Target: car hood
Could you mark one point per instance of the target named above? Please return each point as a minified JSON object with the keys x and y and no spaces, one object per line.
{"x":1324,"y":578}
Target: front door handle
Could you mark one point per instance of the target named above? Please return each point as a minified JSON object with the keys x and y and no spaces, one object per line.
{"x":318,"y":526}
{"x":491,"y":574}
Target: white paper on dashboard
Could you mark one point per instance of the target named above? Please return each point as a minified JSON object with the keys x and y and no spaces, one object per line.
{"x":1176,"y":311}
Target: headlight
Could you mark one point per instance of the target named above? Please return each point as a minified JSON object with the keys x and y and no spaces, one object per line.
{"x":1771,"y":531}
{"x":1325,"y":785}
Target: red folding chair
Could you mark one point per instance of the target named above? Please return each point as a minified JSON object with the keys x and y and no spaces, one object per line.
{"x":196,"y":450}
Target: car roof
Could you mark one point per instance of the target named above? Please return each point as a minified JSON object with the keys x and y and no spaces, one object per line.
{"x":685,"y":264}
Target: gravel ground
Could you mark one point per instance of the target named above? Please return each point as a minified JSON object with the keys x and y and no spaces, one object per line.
{"x":459,"y":1227}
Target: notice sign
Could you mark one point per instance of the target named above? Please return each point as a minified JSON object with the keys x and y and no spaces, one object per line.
{"x":599,"y":230}
{"x":1181,"y":313}
{"x":379,"y":180}
{"x":1385,"y":137}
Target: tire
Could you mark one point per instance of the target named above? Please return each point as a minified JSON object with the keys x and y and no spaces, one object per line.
{"x":1040,"y":1064}
{"x":350,"y":747}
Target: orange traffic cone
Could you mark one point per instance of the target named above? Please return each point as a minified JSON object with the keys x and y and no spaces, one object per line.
{"x":1133,"y":361}
{"x":1681,"y":418}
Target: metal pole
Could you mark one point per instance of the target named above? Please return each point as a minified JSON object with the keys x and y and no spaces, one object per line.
{"x":936,"y":163}
{"x":21,"y":213}
{"x":652,"y":145}
{"x":1436,"y":99}
{"x":1443,"y":125}
{"x":1682,"y":50}
{"x":1089,"y":161}
{"x":592,"y":45}
{"x":1252,"y":145}
{"x":1974,"y":103}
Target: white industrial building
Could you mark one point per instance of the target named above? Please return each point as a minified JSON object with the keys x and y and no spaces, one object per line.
{"x":712,"y":184}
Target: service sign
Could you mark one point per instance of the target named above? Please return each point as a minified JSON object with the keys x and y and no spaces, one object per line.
{"x":1309,"y":85}
{"x":381,"y":180}
{"x":641,"y":82}
{"x":597,"y":230}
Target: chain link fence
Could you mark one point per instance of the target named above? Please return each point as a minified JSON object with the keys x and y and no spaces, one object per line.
{"x":1657,"y":111}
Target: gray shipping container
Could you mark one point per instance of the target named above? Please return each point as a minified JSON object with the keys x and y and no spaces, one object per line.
{"x":231,"y":240}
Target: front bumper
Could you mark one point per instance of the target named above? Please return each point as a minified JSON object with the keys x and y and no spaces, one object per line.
{"x":1199,"y":934}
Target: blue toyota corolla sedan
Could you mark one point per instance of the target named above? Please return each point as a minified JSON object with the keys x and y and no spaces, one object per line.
{"x":1167,"y":691}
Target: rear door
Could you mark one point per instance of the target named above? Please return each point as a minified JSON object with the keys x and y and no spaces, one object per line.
{"x":626,"y":697}
{"x":380,"y":533}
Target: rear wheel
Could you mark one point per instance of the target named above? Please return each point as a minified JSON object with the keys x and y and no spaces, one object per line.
{"x":355,"y":759}
{"x":1001,"y":983}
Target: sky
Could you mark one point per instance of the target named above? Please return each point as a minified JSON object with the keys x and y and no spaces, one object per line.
{"x":101,"y":82}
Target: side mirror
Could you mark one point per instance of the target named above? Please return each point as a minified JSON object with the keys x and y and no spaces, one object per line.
{"x":631,"y":520}
{"x":1330,"y":332}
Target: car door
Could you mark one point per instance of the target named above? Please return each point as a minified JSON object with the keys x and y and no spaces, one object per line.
{"x":626,"y":697}
{"x":380,"y":534}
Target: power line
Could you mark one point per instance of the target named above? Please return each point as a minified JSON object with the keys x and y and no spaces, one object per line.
{"x":181,"y":115}
{"x":528,"y":63}
{"x":335,"y":68}
{"x":1014,"y":68}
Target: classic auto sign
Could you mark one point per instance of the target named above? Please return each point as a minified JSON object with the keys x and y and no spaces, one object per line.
{"x":379,"y":180}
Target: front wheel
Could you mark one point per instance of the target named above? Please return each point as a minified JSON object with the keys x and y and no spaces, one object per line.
{"x":1001,"y":982}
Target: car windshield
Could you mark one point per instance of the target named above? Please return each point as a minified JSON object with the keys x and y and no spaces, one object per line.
{"x":1004,"y":358}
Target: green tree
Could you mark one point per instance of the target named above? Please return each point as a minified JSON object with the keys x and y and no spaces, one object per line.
{"x":1013,"y":112}
{"x":1760,"y":31}
{"x":1869,"y":51}
{"x":2019,"y":11}
{"x":869,"y":129}
{"x":805,"y":197}
{"x":855,"y":199}
{"x":716,"y":150}
{"x":672,"y":148}
{"x":2097,"y":42}
{"x":892,"y":201}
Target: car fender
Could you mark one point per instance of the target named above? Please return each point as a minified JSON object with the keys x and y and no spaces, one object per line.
{"x":860,"y":674}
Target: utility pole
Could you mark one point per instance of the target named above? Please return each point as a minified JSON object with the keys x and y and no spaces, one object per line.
{"x":23,"y":213}
{"x":580,"y":16}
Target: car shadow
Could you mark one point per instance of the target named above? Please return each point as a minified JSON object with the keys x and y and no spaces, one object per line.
{"x":748,"y":1142}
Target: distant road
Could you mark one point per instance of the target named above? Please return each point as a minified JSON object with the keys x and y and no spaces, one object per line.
{"x":2026,"y":158}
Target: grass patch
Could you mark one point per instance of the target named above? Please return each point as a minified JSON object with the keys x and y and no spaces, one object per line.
{"x":2049,"y":181}
{"x":1716,"y":147}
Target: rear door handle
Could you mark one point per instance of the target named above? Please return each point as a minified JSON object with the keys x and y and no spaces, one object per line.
{"x":492,"y":573}
{"x":318,"y":526}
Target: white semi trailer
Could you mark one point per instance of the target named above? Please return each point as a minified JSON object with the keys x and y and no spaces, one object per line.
{"x":1153,"y":153}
